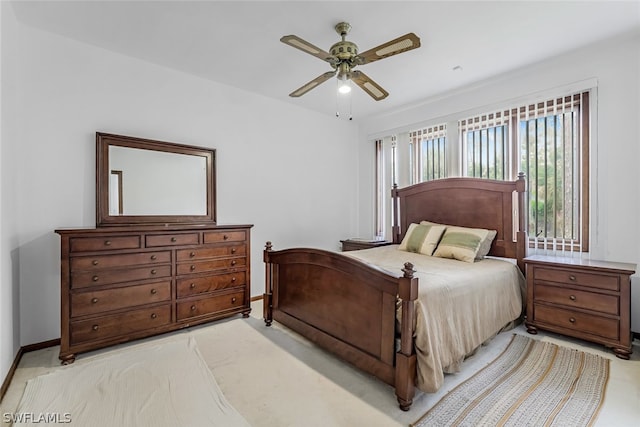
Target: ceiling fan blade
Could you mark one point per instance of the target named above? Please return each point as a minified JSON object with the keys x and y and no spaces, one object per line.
{"x":372,"y":88}
{"x":312,"y":84}
{"x":307,"y":47}
{"x":401,"y":44}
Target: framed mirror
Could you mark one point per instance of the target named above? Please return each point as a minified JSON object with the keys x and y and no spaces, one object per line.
{"x":141,"y":181}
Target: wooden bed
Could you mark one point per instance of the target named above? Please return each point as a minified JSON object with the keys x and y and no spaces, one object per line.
{"x":327,"y":296}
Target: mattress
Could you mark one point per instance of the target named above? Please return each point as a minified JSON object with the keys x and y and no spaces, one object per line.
{"x":460,"y":306}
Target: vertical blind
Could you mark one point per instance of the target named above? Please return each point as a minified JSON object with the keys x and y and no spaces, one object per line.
{"x":485,"y":142}
{"x":553,"y":139}
{"x":548,"y":141}
{"x":428,"y":153}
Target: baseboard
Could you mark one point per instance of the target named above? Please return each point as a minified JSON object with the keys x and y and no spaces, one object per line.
{"x":256,"y":298}
{"x":636,"y":335}
{"x":16,"y":361}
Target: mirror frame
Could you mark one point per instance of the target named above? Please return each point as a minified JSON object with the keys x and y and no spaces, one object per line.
{"x":103,"y":217}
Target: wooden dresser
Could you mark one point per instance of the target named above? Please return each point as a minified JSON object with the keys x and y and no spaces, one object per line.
{"x":586,"y":299}
{"x":123,"y":283}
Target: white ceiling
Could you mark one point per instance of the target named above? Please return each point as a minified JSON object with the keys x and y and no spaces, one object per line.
{"x":237,"y":43}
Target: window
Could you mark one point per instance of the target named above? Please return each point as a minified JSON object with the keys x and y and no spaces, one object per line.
{"x":485,"y":144}
{"x":427,"y":155}
{"x":548,"y":141}
{"x":554,"y":154}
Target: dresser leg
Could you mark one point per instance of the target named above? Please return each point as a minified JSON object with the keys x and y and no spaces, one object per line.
{"x":531,"y":329}
{"x":622,"y":353}
{"x":67,"y":359}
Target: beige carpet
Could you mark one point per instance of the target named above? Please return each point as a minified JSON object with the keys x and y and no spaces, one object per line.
{"x":532,"y":383}
{"x":275,"y":378}
{"x":143,"y":385}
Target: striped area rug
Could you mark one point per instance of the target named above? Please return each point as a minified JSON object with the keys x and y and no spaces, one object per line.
{"x":532,"y":383}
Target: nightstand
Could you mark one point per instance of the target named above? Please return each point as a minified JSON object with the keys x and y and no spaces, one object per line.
{"x":356,"y":244}
{"x":585,"y":299}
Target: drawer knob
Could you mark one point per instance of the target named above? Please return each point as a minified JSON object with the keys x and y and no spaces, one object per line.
{"x":193,"y":308}
{"x":153,"y":271}
{"x":94,"y":327}
{"x":94,"y":278}
{"x":94,"y":262}
{"x":192,"y":254}
{"x":225,"y":237}
{"x":94,"y":300}
{"x":233,"y":279}
{"x":153,"y":315}
{"x":233,"y":299}
{"x":233,"y":250}
{"x":173,"y":239}
{"x":233,"y":262}
{"x":192,"y":286}
{"x":107,"y":242}
{"x":193,"y":267}
{"x":572,"y":320}
{"x":572,"y":297}
{"x":153,"y":257}
{"x":153,"y":291}
{"x":572,"y":278}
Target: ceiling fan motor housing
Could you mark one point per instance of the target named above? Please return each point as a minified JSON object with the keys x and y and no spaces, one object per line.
{"x":344,"y":50}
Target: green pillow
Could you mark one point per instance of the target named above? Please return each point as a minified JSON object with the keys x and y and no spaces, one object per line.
{"x":461,"y":243}
{"x":422,"y":239}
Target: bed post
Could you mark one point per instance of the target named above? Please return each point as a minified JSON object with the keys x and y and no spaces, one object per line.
{"x":395,"y":226}
{"x":406,"y":357}
{"x":267,"y":298}
{"x":522,"y":242}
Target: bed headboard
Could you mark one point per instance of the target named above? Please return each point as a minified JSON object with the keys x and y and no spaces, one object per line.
{"x":467,"y":202}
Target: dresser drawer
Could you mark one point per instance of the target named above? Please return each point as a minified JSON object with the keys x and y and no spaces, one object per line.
{"x":225,"y":236}
{"x":120,"y":325}
{"x":109,"y":261}
{"x":580,"y":323}
{"x":574,"y":277}
{"x":211,"y":305}
{"x":174,"y":239}
{"x":609,"y":304}
{"x":104,"y":277}
{"x":211,"y":265}
{"x":109,"y":243}
{"x":95,"y":302}
{"x":211,"y":252}
{"x":200,"y":285}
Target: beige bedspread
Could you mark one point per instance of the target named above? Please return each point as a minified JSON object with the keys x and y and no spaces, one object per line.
{"x":460,"y":306}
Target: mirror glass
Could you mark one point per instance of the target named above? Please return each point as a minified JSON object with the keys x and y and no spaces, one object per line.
{"x":143,"y":181}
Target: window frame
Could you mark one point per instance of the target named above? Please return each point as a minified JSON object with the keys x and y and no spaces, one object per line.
{"x":455,"y":151}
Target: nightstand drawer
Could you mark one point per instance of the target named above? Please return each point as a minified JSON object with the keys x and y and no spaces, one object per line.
{"x":581,"y":299}
{"x":580,"y":322}
{"x":574,"y":277}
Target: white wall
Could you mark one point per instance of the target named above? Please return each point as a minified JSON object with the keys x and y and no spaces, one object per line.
{"x":9,"y":320}
{"x":284,"y":169}
{"x":615,"y":152}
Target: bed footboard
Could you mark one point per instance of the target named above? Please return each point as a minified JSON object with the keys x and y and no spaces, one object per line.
{"x":347,"y":307}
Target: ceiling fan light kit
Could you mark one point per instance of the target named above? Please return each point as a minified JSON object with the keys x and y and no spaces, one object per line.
{"x":343,"y":57}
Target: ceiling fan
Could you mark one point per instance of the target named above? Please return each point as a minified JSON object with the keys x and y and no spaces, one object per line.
{"x":344,"y":57}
